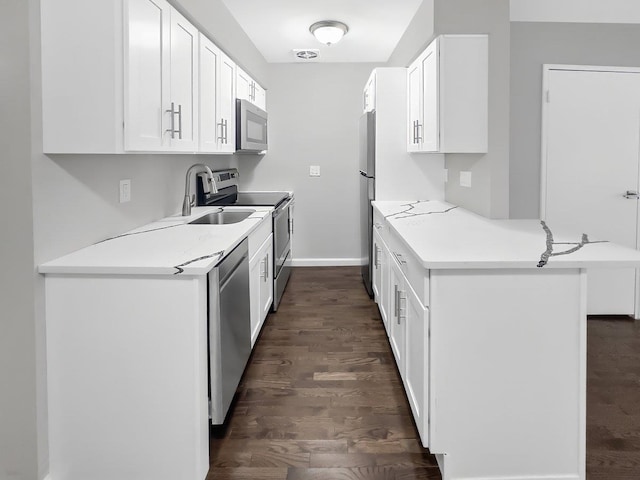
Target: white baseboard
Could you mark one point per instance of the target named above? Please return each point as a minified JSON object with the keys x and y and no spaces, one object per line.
{"x":326,"y":262}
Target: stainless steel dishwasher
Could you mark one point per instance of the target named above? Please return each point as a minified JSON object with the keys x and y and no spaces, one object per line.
{"x":229,"y":328}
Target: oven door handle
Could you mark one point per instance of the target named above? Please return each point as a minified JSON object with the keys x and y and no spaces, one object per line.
{"x":278,"y":211}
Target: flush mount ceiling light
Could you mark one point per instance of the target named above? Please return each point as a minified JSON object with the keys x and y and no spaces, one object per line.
{"x":328,"y":31}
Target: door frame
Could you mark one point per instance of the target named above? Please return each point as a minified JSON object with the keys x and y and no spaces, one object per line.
{"x":547,"y":68}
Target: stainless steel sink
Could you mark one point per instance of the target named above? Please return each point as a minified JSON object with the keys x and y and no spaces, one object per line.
{"x":223,"y":217}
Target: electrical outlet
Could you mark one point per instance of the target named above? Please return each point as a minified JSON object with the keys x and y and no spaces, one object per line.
{"x":125,"y":191}
{"x":465,"y":179}
{"x":314,"y":171}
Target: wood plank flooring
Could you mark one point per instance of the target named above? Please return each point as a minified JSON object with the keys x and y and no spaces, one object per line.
{"x":321,"y":398}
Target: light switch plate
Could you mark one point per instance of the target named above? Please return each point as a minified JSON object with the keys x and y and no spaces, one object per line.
{"x":125,"y":191}
{"x":465,"y":179}
{"x":314,"y":171}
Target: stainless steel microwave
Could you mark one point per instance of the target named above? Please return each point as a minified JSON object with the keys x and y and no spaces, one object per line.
{"x":251,"y":127}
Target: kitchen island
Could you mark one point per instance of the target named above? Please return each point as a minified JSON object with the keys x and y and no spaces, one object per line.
{"x":487,"y":322}
{"x":127,"y":349}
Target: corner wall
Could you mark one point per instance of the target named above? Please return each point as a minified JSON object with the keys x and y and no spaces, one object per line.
{"x":18,"y":436}
{"x":489,"y":193}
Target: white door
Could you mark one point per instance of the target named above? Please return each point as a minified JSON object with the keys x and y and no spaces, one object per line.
{"x":591,"y":131}
{"x":184,"y":74}
{"x":146,"y":85}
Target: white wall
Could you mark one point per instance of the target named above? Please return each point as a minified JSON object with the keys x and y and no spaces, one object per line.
{"x":585,"y":11}
{"x":18,"y":438}
{"x":416,"y":37}
{"x":313,"y":120}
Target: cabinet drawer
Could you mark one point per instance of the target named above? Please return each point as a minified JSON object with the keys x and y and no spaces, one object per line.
{"x":259,"y":235}
{"x":411,"y":267}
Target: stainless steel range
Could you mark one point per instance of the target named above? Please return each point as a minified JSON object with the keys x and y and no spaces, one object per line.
{"x":224,"y":192}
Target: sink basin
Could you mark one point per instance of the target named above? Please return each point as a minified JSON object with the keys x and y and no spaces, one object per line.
{"x":224,"y":217}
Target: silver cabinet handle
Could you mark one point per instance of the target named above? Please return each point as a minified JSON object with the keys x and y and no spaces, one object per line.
{"x":226,"y":131}
{"x":395,"y":301}
{"x":631,"y":195}
{"x":221,"y":125}
{"x":375,"y":256}
{"x":266,"y":267}
{"x":418,"y":127}
{"x":400,"y":309}
{"x":173,"y":113}
{"x":415,"y":131}
{"x":400,"y":259}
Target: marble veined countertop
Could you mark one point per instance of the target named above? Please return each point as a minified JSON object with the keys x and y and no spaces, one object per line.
{"x":166,"y":247}
{"x":442,"y":235}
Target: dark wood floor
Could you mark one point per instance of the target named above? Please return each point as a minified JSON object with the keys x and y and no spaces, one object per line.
{"x":322,"y":399}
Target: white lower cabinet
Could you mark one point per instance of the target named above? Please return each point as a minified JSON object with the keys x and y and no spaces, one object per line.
{"x":406,"y":320}
{"x":397,"y":327}
{"x":416,"y":373}
{"x":381,"y":277}
{"x":261,"y":286}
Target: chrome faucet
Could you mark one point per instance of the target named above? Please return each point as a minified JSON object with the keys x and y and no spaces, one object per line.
{"x":190,"y":200}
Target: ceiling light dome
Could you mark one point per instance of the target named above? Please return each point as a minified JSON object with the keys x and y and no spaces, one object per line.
{"x":329,"y":31}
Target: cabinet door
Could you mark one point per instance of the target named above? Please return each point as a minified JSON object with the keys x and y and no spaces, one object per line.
{"x":259,"y":96}
{"x":397,"y":316}
{"x":416,"y":377}
{"x":266,"y":288}
{"x":429,"y":129}
{"x":381,"y":278}
{"x":182,"y":109}
{"x":209,"y":130}
{"x":147,"y":72}
{"x":414,"y":109}
{"x":243,"y":85}
{"x":227,"y":103}
{"x":261,"y":286}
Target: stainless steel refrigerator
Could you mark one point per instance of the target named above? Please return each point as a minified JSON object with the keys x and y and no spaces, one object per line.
{"x":367,"y":128}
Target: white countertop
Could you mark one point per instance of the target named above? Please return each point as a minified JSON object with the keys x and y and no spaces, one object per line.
{"x":166,"y":247}
{"x":442,"y":235}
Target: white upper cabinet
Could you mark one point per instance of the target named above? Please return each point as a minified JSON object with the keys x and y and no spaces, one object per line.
{"x":369,"y":94}
{"x":448,"y":96}
{"x":123,"y":76}
{"x":216,"y":94}
{"x":160,"y":64}
{"x":248,"y":89}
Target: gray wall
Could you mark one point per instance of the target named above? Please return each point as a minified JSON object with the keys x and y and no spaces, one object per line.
{"x":532,"y":45}
{"x":416,"y":38}
{"x":313,"y":120}
{"x":18,"y":439}
{"x":75,"y":197}
{"x":489,"y":193}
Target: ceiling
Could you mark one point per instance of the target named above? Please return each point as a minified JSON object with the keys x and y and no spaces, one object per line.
{"x":277,"y":27}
